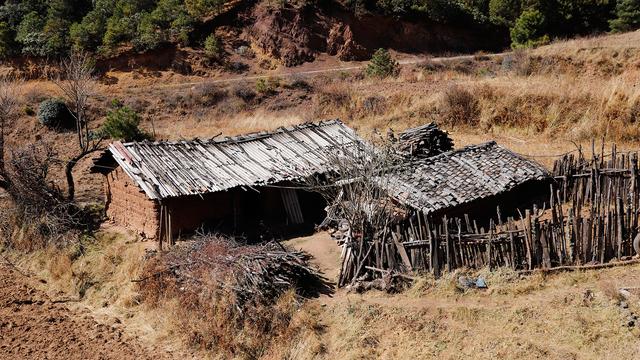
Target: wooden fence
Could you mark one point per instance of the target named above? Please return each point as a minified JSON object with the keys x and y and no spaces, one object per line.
{"x":591,"y":217}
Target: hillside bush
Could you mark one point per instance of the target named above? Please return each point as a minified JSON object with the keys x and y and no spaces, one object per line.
{"x":123,"y":124}
{"x":529,"y":30}
{"x":54,"y":113}
{"x":203,"y":8}
{"x":267,"y":86}
{"x":6,"y":41}
{"x":149,"y":36}
{"x":213,"y":47}
{"x":87,"y":34}
{"x":504,"y":12}
{"x":627,"y":16}
{"x":382,"y":65}
{"x":244,"y":93}
{"x":460,"y":106}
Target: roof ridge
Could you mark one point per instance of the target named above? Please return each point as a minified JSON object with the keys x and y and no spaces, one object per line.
{"x":240,"y":138}
{"x":447,"y":154}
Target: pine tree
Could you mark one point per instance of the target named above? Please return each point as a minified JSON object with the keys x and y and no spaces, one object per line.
{"x":628,"y":16}
{"x":382,"y":64}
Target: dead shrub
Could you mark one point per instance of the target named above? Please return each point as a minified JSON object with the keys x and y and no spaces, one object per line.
{"x":298,"y":83}
{"x":460,"y":107}
{"x":245,"y":93}
{"x":35,"y":96}
{"x":611,"y":291}
{"x":206,"y":94}
{"x":519,"y":62}
{"x":332,"y":100}
{"x":238,"y":299}
{"x":41,"y":215}
{"x":374,"y":105}
{"x":137,"y":104}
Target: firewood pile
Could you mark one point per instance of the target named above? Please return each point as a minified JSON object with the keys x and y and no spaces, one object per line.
{"x":424,"y":141}
{"x":247,"y":274}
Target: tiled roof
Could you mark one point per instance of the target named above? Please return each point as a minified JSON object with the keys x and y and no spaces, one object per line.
{"x":460,"y":176}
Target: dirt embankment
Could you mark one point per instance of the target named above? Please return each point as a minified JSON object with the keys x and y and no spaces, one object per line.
{"x":294,"y":35}
{"x":33,"y":326}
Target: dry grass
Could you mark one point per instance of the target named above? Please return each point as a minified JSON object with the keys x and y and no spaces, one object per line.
{"x":533,"y":317}
{"x":570,"y":315}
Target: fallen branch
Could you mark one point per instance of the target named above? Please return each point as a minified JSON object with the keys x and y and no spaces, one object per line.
{"x":408,"y":277}
{"x":580,"y":267}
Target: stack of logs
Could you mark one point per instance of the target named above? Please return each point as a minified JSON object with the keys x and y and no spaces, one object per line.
{"x":591,"y":218}
{"x":424,"y":141}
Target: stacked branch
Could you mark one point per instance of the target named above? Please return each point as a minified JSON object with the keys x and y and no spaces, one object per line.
{"x":238,"y":299}
{"x":424,"y":141}
{"x":247,"y":275}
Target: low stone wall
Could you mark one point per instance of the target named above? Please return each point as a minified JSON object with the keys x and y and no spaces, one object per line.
{"x":128,"y":206}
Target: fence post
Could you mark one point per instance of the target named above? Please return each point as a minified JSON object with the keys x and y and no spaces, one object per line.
{"x":446,"y":238}
{"x":489,"y":243}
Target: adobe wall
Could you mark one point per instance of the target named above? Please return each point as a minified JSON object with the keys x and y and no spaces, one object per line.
{"x":128,"y":206}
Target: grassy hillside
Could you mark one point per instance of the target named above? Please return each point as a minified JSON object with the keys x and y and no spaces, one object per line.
{"x":295,"y":31}
{"x":567,"y":91}
{"x":533,"y":101}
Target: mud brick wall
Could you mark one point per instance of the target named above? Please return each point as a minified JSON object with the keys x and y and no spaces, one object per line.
{"x":128,"y":206}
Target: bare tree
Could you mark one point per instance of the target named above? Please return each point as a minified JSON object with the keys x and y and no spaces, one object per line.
{"x":8,"y":104}
{"x":356,"y":193}
{"x":39,"y":205}
{"x":77,"y":82}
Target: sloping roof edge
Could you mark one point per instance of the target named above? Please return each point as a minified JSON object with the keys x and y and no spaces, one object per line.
{"x":151,"y":182}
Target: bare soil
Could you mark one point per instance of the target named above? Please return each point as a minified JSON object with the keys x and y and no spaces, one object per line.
{"x":34,"y":326}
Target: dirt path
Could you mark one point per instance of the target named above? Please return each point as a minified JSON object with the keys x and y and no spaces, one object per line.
{"x":326,"y":70}
{"x":32,"y":326}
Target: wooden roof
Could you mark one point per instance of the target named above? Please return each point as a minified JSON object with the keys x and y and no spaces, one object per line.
{"x":182,"y":168}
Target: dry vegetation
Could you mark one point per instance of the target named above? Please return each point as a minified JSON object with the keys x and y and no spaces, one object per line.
{"x":568,"y":315}
{"x":531,"y":101}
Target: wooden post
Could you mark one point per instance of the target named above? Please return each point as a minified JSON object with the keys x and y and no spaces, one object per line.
{"x":512,"y":244}
{"x":435,"y":256}
{"x":446,"y":237}
{"x":619,"y":227}
{"x":431,"y":247}
{"x":530,"y":240}
{"x":401,"y":250}
{"x":460,"y":249}
{"x":544,"y":241}
{"x":489,"y":243}
{"x":162,"y":229}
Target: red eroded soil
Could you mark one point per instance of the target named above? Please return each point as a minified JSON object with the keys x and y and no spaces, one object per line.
{"x":32,"y":326}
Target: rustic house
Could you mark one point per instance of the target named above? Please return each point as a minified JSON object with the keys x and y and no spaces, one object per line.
{"x":472,"y":180}
{"x":243,"y":184}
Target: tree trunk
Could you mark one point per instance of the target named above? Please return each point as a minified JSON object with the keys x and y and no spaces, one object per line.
{"x":68,"y":171}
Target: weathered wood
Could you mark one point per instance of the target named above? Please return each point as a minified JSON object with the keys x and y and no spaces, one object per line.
{"x":448,"y":242}
{"x":402,"y":252}
{"x":489,"y":243}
